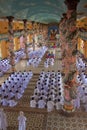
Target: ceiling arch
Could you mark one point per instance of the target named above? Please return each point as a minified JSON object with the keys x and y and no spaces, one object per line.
{"x":45,"y":11}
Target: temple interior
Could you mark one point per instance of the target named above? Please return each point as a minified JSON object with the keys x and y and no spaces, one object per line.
{"x":43,"y":65}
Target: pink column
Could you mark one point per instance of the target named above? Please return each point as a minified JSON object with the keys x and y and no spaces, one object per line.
{"x":68,"y":41}
{"x":11,"y":43}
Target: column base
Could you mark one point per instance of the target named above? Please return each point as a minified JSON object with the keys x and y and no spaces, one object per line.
{"x":68,"y":109}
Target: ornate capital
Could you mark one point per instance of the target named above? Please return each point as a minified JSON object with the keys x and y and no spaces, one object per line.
{"x":10,"y":18}
{"x":71,"y":5}
{"x":24,"y":20}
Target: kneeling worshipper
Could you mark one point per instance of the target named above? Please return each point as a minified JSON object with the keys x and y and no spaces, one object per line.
{"x":10,"y":94}
{"x":58,"y":104}
{"x":50,"y":105}
{"x":20,"y":89}
{"x":85,"y":79}
{"x":12,"y":102}
{"x":80,"y":90}
{"x":4,"y":101}
{"x":18,"y":95}
{"x":3,"y":120}
{"x":41,"y":103}
{"x":33,"y":102}
{"x":76,"y":102}
{"x":22,"y":121}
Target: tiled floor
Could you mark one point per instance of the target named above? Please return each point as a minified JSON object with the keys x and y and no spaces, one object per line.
{"x":34,"y":121}
{"x":56,"y":121}
{"x":40,"y":119}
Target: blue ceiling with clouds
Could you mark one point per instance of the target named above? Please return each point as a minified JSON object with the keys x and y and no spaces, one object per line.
{"x":43,"y":11}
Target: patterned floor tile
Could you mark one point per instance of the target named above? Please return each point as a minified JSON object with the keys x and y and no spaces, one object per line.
{"x":61,"y":122}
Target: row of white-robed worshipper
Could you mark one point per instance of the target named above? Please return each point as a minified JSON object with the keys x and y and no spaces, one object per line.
{"x":13,"y":88}
{"x":19,"y":55}
{"x":36,"y":56}
{"x":5,"y":63}
{"x":81,"y":79}
{"x":49,"y":62}
{"x":4,"y":66}
{"x":48,"y":92}
{"x":81,"y":63}
{"x":4,"y":122}
{"x":50,"y":57}
{"x":81,"y":96}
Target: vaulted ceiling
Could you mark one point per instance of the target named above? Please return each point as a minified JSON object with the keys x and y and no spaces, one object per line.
{"x":43,"y":11}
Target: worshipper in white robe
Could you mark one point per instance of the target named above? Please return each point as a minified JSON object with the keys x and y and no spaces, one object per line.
{"x":80,"y":90}
{"x":52,"y":61}
{"x":12,"y":102}
{"x":35,"y":96}
{"x":20,"y":89}
{"x":41,"y":103}
{"x":36,"y":90}
{"x":58,"y":104}
{"x":50,"y":105}
{"x":84,"y":99}
{"x":3,"y":120}
{"x":4,"y":101}
{"x":3,"y":93}
{"x":46,"y":64}
{"x":85,"y":80}
{"x":18,"y":95}
{"x":76,"y":102}
{"x":10,"y":95}
{"x":33,"y":102}
{"x":22,"y":121}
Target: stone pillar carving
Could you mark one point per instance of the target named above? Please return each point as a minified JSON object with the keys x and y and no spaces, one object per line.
{"x":68,"y":40}
{"x":11,"y":43}
{"x":25,"y":37}
{"x":34,"y":31}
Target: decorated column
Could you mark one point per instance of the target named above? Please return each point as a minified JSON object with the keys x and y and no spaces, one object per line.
{"x":68,"y":40}
{"x":33,"y":33}
{"x":25,"y":37}
{"x":11,"y":43}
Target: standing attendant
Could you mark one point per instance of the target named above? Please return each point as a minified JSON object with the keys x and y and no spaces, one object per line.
{"x":3,"y":120}
{"x":22,"y":121}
